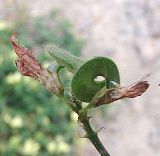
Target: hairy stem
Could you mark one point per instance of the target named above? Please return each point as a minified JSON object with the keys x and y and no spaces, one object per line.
{"x":92,"y":135}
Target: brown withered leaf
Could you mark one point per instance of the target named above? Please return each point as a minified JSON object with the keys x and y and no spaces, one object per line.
{"x":115,"y":94}
{"x":28,"y":65}
{"x":136,"y":90}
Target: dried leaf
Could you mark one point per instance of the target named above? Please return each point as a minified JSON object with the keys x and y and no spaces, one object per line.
{"x":115,"y":94}
{"x":28,"y":65}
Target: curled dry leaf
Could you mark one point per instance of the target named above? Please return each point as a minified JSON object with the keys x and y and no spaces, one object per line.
{"x":115,"y":94}
{"x":28,"y":65}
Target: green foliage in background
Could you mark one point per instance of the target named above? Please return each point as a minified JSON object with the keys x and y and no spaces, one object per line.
{"x":32,"y":120}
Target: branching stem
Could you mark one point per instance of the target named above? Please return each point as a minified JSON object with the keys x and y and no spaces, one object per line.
{"x":92,"y":135}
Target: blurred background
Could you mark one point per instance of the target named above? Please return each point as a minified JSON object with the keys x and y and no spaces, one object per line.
{"x":35,"y":123}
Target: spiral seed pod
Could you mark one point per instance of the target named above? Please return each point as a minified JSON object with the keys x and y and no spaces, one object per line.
{"x":84,"y":86}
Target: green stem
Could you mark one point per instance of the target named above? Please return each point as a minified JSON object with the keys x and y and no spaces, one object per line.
{"x":92,"y":135}
{"x":75,"y":109}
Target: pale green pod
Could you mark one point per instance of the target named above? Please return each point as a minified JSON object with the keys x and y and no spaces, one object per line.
{"x":64,"y":58}
{"x":84,"y":87}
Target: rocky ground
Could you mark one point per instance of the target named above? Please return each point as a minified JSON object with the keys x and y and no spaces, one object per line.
{"x":128,"y":32}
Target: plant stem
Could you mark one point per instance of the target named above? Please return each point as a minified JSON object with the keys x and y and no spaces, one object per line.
{"x":92,"y":135}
